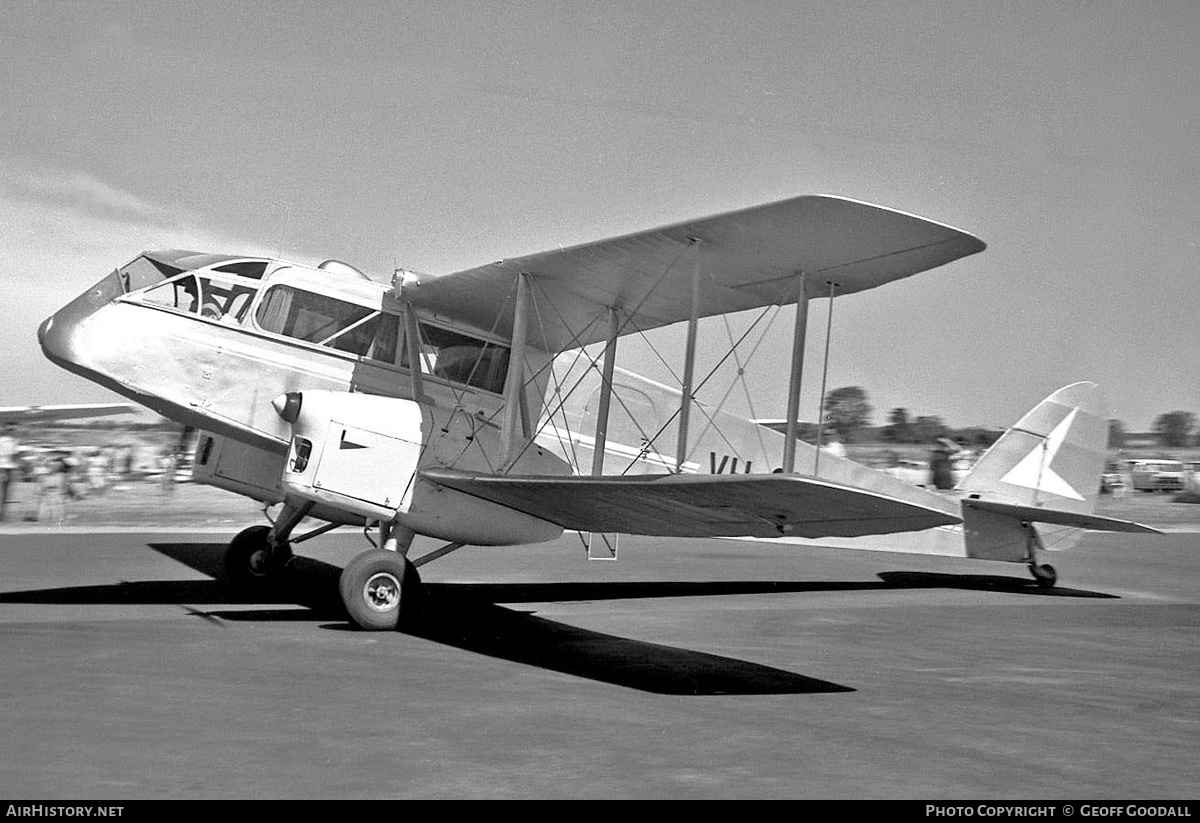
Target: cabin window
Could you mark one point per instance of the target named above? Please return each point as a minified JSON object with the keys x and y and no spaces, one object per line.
{"x":460,"y":358}
{"x":327,"y":321}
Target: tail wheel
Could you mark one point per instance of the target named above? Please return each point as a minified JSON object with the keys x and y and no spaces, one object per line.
{"x":381,"y":590}
{"x":251,"y":562}
{"x":1045,"y":575}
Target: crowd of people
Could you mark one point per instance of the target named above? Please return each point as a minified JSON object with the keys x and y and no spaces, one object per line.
{"x":38,"y":482}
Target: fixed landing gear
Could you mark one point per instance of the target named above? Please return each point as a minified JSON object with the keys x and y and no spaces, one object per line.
{"x":381,"y":590}
{"x":1045,"y":574}
{"x":258,"y":556}
{"x":252,"y":562}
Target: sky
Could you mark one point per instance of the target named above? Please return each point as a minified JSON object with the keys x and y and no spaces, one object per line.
{"x":441,"y":135}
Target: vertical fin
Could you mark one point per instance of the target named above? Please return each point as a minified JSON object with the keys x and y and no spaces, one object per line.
{"x":1052,"y":457}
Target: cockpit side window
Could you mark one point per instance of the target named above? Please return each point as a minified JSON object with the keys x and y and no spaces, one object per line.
{"x":306,"y":316}
{"x":460,"y":358}
{"x":226,"y":301}
{"x":144,"y":272}
{"x":181,"y":292}
{"x":327,"y":321}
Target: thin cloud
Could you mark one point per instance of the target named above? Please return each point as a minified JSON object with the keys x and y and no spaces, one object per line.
{"x":62,"y":230}
{"x":59,"y":233}
{"x":77,"y":192}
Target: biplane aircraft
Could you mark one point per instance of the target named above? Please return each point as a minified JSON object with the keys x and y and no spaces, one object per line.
{"x":467,"y":408}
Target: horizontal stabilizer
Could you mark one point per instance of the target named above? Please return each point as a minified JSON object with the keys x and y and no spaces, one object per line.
{"x":1059,"y":517}
{"x":691,"y":505}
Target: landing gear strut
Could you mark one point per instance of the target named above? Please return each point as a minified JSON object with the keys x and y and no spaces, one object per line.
{"x":258,"y":555}
{"x":1045,"y":574}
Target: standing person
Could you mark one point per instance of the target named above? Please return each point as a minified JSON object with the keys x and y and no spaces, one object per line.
{"x":53,"y":474}
{"x":8,"y":467}
{"x":833,"y":444}
{"x":168,"y":461}
{"x":941,"y":464}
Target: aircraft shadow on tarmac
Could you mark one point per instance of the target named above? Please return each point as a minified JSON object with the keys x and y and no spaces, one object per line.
{"x":466,"y":616}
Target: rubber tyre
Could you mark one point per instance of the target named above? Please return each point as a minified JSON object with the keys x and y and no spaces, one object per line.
{"x":380,"y":590}
{"x":248,"y":564}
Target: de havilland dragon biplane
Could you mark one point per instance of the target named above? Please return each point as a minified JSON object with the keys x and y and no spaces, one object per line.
{"x":433,"y":406}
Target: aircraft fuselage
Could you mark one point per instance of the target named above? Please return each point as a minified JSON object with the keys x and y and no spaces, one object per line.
{"x":211,"y":348}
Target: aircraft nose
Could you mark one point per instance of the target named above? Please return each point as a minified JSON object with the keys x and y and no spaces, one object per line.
{"x":55,"y":339}
{"x":57,"y":333}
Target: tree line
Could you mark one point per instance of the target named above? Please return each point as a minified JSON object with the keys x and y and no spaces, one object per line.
{"x":1175,"y":429}
{"x":848,"y":411}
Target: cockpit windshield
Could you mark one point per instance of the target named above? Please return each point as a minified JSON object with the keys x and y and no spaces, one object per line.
{"x":222,"y":292}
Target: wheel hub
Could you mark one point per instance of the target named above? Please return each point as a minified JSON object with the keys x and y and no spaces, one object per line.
{"x":382,"y":592}
{"x":259,"y":562}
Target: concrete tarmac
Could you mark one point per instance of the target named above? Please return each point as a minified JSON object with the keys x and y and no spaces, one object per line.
{"x":686,"y":669}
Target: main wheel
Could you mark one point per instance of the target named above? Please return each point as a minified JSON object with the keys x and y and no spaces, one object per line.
{"x":1045,"y":575}
{"x":250,"y":562}
{"x":380,"y":590}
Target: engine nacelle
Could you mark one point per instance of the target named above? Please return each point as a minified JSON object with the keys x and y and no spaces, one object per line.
{"x":238,"y":467}
{"x":362,"y":453}
{"x":356,"y":451}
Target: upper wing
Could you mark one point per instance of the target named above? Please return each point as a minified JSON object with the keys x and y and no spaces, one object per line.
{"x":748,"y":259}
{"x":701,"y":505}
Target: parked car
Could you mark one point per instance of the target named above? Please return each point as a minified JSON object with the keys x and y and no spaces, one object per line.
{"x":1112,"y":481}
{"x":1157,"y":475}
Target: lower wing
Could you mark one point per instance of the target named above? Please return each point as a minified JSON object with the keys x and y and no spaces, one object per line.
{"x":690,"y":505}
